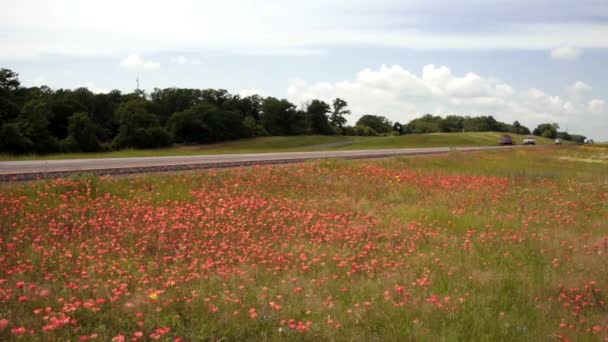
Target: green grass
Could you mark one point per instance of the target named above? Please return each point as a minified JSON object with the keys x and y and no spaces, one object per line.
{"x":441,"y":139}
{"x":296,"y":144}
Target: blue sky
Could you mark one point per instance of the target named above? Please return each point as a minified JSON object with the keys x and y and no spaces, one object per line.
{"x":532,"y":61}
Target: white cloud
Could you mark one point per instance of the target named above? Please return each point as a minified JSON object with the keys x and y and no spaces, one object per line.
{"x":185,"y":60}
{"x":93,"y":88}
{"x":402,"y":95}
{"x":40,"y":81}
{"x":597,"y":106}
{"x":579,"y":87}
{"x":249,"y":92}
{"x":135,"y":62}
{"x":565,"y":53}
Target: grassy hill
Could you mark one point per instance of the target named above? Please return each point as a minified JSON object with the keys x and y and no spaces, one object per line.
{"x":441,"y":139}
{"x":300,"y":143}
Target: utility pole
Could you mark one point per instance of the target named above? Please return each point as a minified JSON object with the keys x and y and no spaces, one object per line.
{"x":137,"y":81}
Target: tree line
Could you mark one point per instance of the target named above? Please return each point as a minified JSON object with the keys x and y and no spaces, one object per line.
{"x":42,"y":120}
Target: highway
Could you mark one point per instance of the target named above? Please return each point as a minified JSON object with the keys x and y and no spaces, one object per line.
{"x":34,"y":169}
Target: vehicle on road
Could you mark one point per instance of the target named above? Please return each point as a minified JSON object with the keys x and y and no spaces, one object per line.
{"x":529,"y":140}
{"x":558,"y":141}
{"x":505,"y":140}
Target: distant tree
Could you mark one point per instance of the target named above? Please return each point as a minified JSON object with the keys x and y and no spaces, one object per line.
{"x":9,"y":86}
{"x":451,"y":123}
{"x":13,"y":141}
{"x":33,"y":124}
{"x":138,"y":127}
{"x":216,"y":97}
{"x":380,"y":124}
{"x":480,"y":124}
{"x":547,"y":130}
{"x":399,"y":128}
{"x":82,"y":133}
{"x":316,"y":115}
{"x":564,"y":136}
{"x":517,"y":128}
{"x":579,"y":139}
{"x":61,"y":109}
{"x":8,"y":110}
{"x":206,"y":123}
{"x":337,"y":118}
{"x":9,"y":81}
{"x":425,"y":124}
{"x":167,"y":101}
{"x":103,"y":114}
{"x":280,"y":117}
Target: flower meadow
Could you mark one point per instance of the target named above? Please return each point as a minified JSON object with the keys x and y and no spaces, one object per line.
{"x":505,"y":245}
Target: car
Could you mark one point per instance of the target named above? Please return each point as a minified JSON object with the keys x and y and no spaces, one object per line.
{"x":558,"y":141}
{"x":529,"y":140}
{"x":505,"y":140}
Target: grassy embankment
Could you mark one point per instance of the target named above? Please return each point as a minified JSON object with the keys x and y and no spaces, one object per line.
{"x":299,"y":143}
{"x":507,"y":246}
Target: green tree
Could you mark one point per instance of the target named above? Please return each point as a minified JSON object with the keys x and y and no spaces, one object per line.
{"x":82,"y":133}
{"x":33,"y":124}
{"x":564,"y":136}
{"x":103,"y":114}
{"x":337,"y":118}
{"x":9,"y":81}
{"x":579,"y":139}
{"x":380,"y":124}
{"x":519,"y":128}
{"x":451,"y":123}
{"x":480,"y":124}
{"x":205,"y":123}
{"x":316,"y":114}
{"x":280,"y":117}
{"x":426,"y":124}
{"x":167,"y":101}
{"x":13,"y":141}
{"x":400,"y":128}
{"x":547,"y":130}
{"x":138,"y":127}
{"x":8,"y":110}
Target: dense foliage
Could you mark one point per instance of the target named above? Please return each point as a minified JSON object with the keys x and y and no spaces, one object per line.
{"x":41,"y":120}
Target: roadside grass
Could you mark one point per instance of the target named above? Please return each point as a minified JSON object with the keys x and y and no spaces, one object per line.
{"x":256,"y":145}
{"x":295,"y":144}
{"x":488,"y":246}
{"x":442,"y":139}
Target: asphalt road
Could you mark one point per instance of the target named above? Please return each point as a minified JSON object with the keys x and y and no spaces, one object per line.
{"x":32,"y":169}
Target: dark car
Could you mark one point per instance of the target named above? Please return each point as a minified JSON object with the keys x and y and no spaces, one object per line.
{"x":505,"y":140}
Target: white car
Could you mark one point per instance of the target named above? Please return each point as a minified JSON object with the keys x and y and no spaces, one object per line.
{"x":529,"y":140}
{"x":558,"y":141}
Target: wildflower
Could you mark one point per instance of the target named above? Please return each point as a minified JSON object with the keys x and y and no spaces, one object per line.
{"x":253,"y":313}
{"x":3,"y":323}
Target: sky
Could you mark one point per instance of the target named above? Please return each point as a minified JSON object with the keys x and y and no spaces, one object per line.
{"x":534,"y":61}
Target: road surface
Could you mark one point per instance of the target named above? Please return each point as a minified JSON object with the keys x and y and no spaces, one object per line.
{"x":33,"y":169}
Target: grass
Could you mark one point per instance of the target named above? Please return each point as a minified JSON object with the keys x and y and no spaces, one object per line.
{"x":489,"y":246}
{"x":441,"y":139}
{"x":296,"y":144}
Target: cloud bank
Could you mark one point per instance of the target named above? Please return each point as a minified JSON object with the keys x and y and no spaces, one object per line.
{"x":296,"y":28}
{"x":135,"y":62}
{"x":402,"y":95}
{"x":566,"y":53}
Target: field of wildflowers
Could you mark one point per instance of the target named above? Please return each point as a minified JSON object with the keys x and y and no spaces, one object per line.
{"x":507,"y":245}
